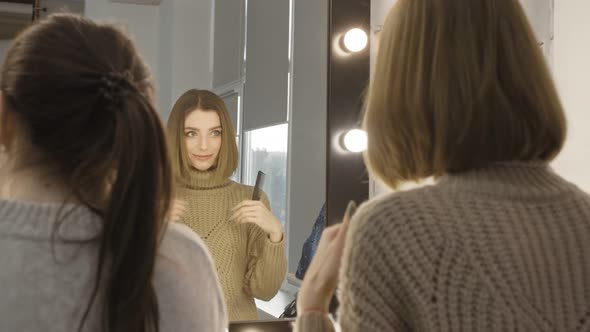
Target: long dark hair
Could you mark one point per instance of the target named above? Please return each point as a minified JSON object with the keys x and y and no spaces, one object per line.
{"x":85,"y":99}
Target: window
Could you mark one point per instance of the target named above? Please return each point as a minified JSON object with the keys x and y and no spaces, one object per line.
{"x":266,"y":150}
{"x":236,"y":175}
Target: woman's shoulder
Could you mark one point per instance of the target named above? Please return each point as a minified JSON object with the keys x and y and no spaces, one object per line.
{"x":395,"y":212}
{"x":184,"y":279}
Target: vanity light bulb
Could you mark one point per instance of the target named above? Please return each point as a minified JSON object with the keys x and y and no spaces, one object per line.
{"x":355,"y":40}
{"x":355,"y":140}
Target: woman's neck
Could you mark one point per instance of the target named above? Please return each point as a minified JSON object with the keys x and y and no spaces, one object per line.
{"x":205,"y":180}
{"x":34,"y":184}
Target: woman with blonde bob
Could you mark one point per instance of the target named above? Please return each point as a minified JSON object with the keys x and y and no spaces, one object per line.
{"x":245,"y":238}
{"x":461,"y":92}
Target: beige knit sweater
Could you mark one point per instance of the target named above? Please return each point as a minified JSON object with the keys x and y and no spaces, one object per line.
{"x":501,"y":249}
{"x":248,"y":264}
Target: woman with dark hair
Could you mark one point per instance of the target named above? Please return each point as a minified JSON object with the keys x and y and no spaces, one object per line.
{"x":460,"y":92}
{"x":246,"y":240}
{"x":85,"y":185}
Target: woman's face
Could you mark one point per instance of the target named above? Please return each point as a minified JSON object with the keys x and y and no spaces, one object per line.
{"x":202,"y":135}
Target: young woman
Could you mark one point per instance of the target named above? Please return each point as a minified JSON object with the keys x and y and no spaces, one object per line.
{"x":500,"y":243}
{"x":85,"y":184}
{"x":244,"y":237}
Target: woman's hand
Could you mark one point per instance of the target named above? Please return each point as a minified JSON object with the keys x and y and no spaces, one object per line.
{"x":255,"y":212}
{"x":177,"y":211}
{"x":321,"y":277}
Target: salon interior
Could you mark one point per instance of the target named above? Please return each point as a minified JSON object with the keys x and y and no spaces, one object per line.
{"x":292,"y":75}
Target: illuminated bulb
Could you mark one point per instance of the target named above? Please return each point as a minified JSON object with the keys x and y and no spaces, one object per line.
{"x":355,"y":40}
{"x":355,"y":140}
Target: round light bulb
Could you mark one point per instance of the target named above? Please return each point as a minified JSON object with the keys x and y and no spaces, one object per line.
{"x":355,"y":140}
{"x":355,"y":40}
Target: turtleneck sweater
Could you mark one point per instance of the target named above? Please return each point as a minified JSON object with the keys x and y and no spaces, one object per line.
{"x":249,"y":265}
{"x":504,"y":248}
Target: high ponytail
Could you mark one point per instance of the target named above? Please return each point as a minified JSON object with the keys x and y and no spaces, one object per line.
{"x":86,"y":102}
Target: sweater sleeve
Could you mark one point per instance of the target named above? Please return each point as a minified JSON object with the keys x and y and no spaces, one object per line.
{"x":267,"y":263}
{"x":186,"y":285}
{"x":370,"y":289}
{"x":365,"y":295}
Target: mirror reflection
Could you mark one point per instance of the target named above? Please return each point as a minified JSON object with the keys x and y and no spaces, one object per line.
{"x":245,"y":238}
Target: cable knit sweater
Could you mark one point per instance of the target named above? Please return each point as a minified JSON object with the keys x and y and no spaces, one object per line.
{"x":248,"y":264}
{"x":47,"y":273}
{"x":505,"y":248}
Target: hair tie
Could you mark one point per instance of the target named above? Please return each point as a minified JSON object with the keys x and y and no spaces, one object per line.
{"x":115,"y":86}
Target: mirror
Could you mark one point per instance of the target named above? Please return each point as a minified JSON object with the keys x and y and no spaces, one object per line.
{"x":291,"y":74}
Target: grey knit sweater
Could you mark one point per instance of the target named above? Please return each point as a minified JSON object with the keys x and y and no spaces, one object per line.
{"x":501,"y":249}
{"x":46,"y":288}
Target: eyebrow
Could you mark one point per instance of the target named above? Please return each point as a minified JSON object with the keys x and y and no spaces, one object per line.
{"x":197,"y":129}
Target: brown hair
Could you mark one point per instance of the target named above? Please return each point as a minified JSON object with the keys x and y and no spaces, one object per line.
{"x":459,"y":84}
{"x":84,"y":96}
{"x":204,"y":100}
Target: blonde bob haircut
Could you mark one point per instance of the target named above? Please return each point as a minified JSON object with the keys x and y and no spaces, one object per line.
{"x":227,"y":160}
{"x":458,"y":85}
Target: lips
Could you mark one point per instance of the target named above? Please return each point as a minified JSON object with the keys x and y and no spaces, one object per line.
{"x":202,"y":157}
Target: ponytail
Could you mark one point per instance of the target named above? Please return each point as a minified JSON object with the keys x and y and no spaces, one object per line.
{"x":133,"y":218}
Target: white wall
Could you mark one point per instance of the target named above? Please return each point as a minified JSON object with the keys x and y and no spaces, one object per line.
{"x":307,"y":161}
{"x":140,"y":21}
{"x":185,"y":49}
{"x":164,"y":75}
{"x":571,"y":68}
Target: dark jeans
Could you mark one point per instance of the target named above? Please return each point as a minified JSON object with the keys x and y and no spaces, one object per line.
{"x":311,"y":244}
{"x":309,"y":248}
